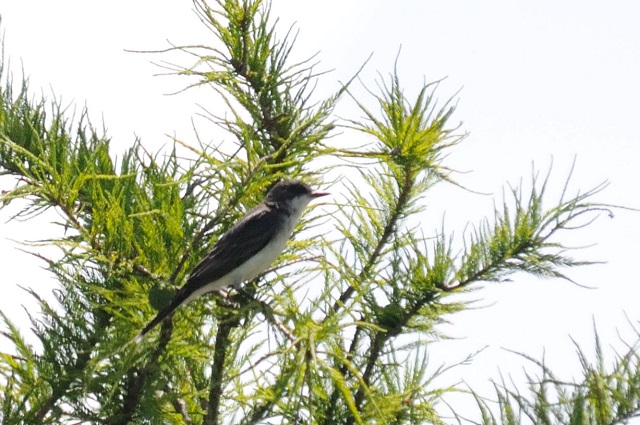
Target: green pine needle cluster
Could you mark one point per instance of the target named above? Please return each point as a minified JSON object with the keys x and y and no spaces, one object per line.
{"x":338,"y":331}
{"x":602,"y":395}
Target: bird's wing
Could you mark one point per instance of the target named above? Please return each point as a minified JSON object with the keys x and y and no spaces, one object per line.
{"x":240,"y":243}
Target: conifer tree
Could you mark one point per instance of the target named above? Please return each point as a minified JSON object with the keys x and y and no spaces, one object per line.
{"x":330,"y":334}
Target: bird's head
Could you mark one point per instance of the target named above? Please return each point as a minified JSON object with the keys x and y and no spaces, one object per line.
{"x":292,"y":194}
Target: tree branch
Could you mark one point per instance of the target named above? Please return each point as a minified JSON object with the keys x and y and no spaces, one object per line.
{"x":226,"y":324}
{"x":389,"y":229}
{"x":137,"y":379}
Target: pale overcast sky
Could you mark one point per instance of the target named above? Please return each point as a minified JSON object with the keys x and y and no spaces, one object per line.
{"x":540,"y":81}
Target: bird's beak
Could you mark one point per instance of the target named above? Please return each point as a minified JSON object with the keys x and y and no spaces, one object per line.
{"x":319,"y":194}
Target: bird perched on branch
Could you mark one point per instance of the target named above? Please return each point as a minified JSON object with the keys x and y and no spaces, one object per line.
{"x":247,"y":249}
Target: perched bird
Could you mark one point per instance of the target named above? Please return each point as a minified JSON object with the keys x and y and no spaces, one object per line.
{"x":248,"y":248}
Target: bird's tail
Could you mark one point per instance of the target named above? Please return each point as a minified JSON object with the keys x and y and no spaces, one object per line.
{"x":179,"y":299}
{"x":156,"y":320}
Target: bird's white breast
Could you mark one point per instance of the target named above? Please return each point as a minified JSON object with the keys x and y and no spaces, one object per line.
{"x":261,"y":261}
{"x":269,"y":254}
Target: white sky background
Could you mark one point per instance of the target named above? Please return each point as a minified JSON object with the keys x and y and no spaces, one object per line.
{"x":540,"y":81}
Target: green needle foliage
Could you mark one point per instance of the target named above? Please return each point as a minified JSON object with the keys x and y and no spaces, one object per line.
{"x":336,"y":332}
{"x":603,"y":395}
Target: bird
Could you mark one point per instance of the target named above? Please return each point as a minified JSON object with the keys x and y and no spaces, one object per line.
{"x":247,"y":249}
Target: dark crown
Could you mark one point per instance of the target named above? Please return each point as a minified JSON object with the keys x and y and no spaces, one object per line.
{"x":287,"y":190}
